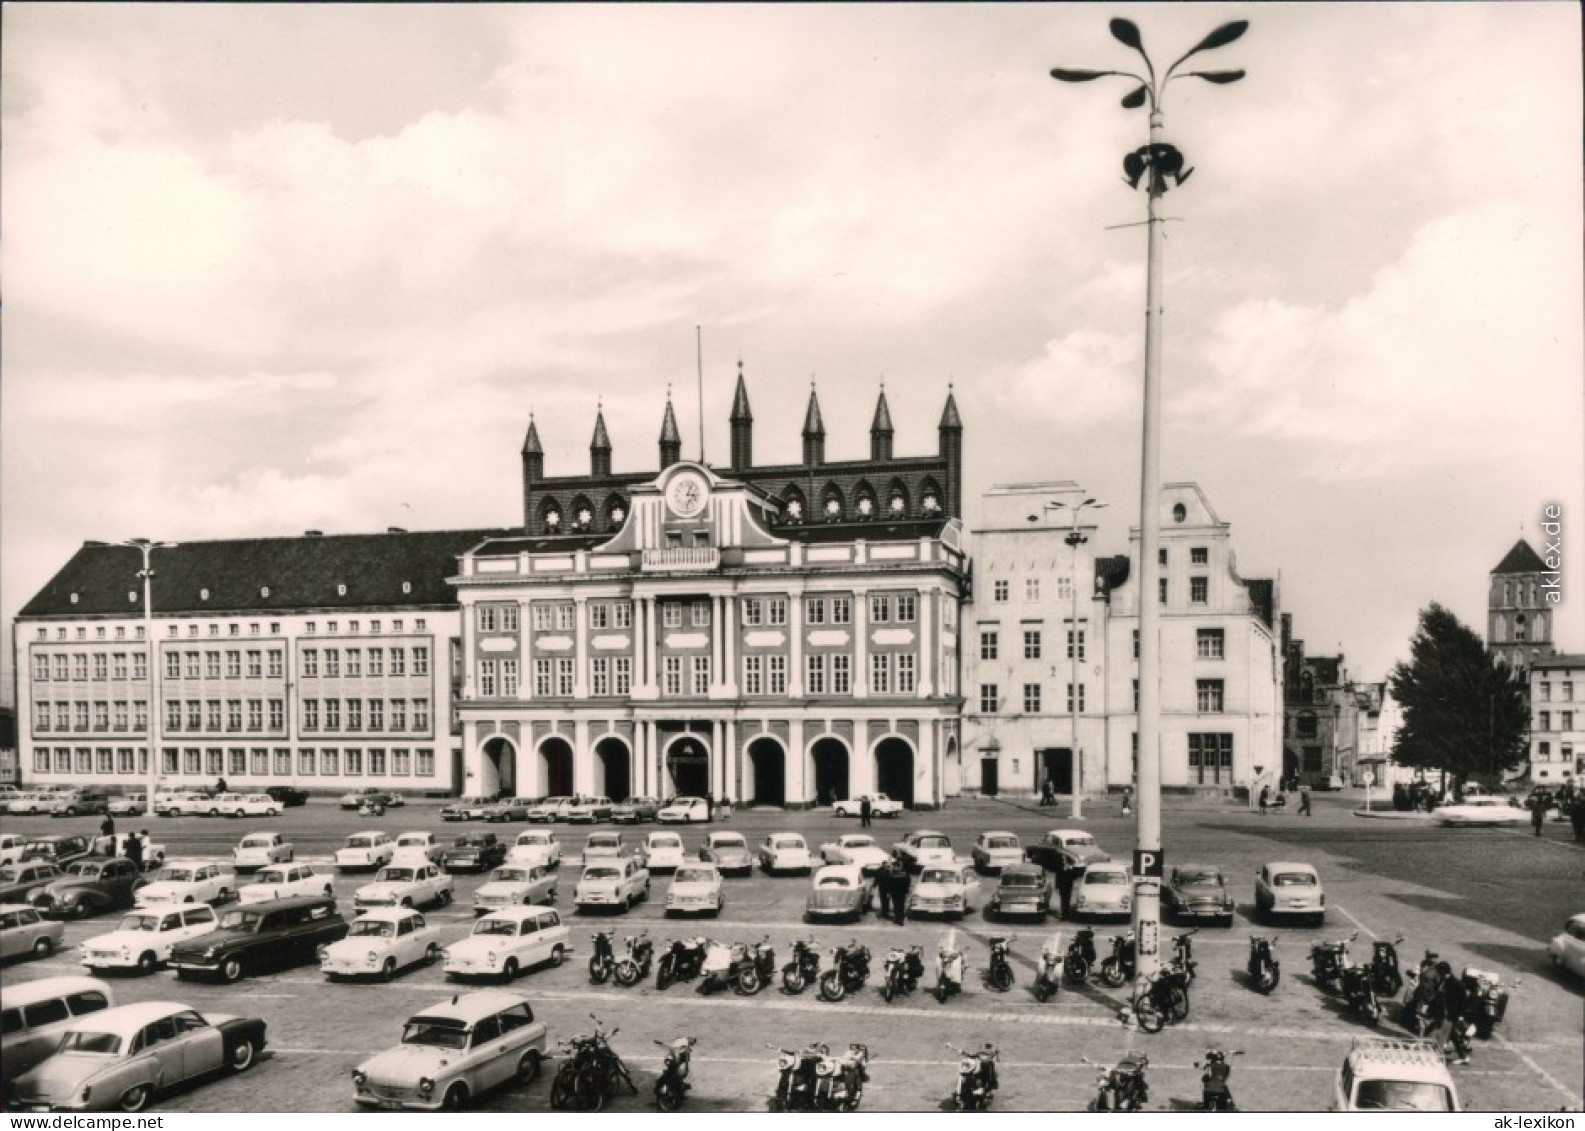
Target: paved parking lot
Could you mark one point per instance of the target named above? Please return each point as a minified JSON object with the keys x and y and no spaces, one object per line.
{"x":1487,"y":897}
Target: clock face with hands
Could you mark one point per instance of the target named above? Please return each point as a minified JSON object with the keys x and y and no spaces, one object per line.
{"x":686,"y":493}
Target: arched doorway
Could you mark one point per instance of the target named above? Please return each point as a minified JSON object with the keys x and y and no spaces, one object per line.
{"x":769,"y":763}
{"x":500,"y":763}
{"x":556,"y":758}
{"x":894,"y":769}
{"x":688,"y":766}
{"x":830,"y":758}
{"x":612,"y":769}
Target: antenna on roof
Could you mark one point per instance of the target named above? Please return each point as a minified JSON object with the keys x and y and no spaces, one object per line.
{"x":698,"y":353}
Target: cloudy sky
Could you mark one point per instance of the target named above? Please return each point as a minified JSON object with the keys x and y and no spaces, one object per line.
{"x":273,"y":268}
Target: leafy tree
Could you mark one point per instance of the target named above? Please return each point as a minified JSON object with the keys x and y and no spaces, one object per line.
{"x":1462,"y":712}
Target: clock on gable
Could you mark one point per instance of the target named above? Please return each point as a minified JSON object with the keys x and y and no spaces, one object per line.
{"x":686,"y":493}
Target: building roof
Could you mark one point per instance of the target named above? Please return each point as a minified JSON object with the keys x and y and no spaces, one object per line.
{"x":1521,"y":559}
{"x":531,"y":444}
{"x":1558,"y":661}
{"x":395,"y":569}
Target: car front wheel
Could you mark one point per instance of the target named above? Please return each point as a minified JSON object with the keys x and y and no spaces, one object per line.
{"x":242,"y":1055}
{"x":136,"y":1099}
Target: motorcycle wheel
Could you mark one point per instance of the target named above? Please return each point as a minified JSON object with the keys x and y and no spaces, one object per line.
{"x":887,"y":992}
{"x":1371,"y":1010}
{"x":1001,"y":978}
{"x":599,"y":972}
{"x":1042,"y":992}
{"x":1391,"y":983}
{"x":561,"y":1091}
{"x":831,"y":987}
{"x":1484,"y":1027}
{"x":747,"y":982}
{"x":663,"y":973}
{"x":1078,"y":971}
{"x":850,"y":1102}
{"x":793,"y":980}
{"x":627,"y":973}
{"x":1112,"y":972}
{"x":1178,"y":1003}
{"x":668,"y":1097}
{"x":1151,"y":1018}
{"x":589,"y":1094}
{"x":1268,"y":979}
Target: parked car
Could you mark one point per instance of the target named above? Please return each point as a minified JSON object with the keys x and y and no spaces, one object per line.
{"x":80,"y":802}
{"x":536,"y":845}
{"x":1567,"y":948}
{"x":924,"y":847}
{"x":588,"y":810}
{"x":1022,"y":889}
{"x":684,"y":811}
{"x":88,"y":887}
{"x":120,"y":1059}
{"x":418,"y":846}
{"x":880,"y":806}
{"x":1481,"y":812}
{"x":468,"y":809}
{"x":855,"y":848}
{"x":514,"y":885}
{"x":16,"y":880}
{"x":695,"y":889}
{"x":188,"y":881}
{"x":283,"y":881}
{"x":785,"y":852}
{"x":33,"y":1015}
{"x":252,"y":936}
{"x":248,"y":805}
{"x":58,"y":850}
{"x":550,"y":809}
{"x":12,"y":845}
{"x":839,"y":891}
{"x":454,"y":1052}
{"x":188,"y":804}
{"x":406,"y":885}
{"x":1199,"y":891}
{"x":945,"y":889}
{"x":368,"y":795}
{"x":473,"y":852}
{"x":144,"y":939}
{"x":126,"y":805}
{"x":619,"y":882}
{"x":729,"y":852}
{"x":1103,"y":888}
{"x":1065,"y":850}
{"x":507,"y":809}
{"x":1285,"y":888}
{"x":635,"y":809}
{"x":289,"y":796}
{"x":1387,"y":1074}
{"x":258,"y":850}
{"x":23,"y":931}
{"x":994,"y":851}
{"x":380,"y":943}
{"x":507,"y":941}
{"x":365,"y":852}
{"x":598,"y":845}
{"x":663,"y":851}
{"x":28,"y":801}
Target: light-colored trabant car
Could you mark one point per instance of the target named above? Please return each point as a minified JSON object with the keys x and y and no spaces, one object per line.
{"x":536,"y":846}
{"x":11,"y":846}
{"x":188,"y":881}
{"x":924,"y":848}
{"x":839,"y":891}
{"x":855,"y":848}
{"x":880,"y":806}
{"x":183,"y":805}
{"x":467,"y":809}
{"x":244,"y":805}
{"x":260,"y":850}
{"x":406,"y":885}
{"x":507,"y":941}
{"x":381,"y":942}
{"x":684,"y":811}
{"x":785,"y":852}
{"x":126,"y":805}
{"x":365,"y":852}
{"x":418,"y":846}
{"x":29,"y":801}
{"x":24,"y":931}
{"x":994,"y":851}
{"x":368,"y":795}
{"x":1286,"y":888}
{"x":1103,"y":888}
{"x":119,"y":1059}
{"x":663,"y":852}
{"x":504,"y":810}
{"x":945,"y":889}
{"x":550,"y":809}
{"x":514,"y":885}
{"x":619,"y":882}
{"x":144,"y":939}
{"x":604,"y":845}
{"x":695,"y":889}
{"x":453,"y":1052}
{"x":729,"y":852}
{"x":1387,"y":1074}
{"x":283,"y":880}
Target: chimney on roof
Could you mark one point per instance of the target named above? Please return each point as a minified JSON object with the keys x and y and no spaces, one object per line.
{"x":313,"y":534}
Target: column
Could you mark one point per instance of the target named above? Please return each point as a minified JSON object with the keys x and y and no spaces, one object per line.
{"x":525,"y":647}
{"x":729,"y":786}
{"x":795,"y":625}
{"x":929,"y":642}
{"x":717,"y":647}
{"x":718,"y":755}
{"x":925,"y":758}
{"x":472,"y":758}
{"x":861,"y":650}
{"x":582,"y":755}
{"x":580,"y":650}
{"x":649,"y":647}
{"x":641,"y":758}
{"x":729,"y":628}
{"x":798,"y":784}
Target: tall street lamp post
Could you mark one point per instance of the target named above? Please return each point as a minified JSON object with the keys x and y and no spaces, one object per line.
{"x":1155,"y":163}
{"x":152,"y":776}
{"x":1075,"y":540}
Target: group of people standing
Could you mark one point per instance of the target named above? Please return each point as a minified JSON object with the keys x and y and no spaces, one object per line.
{"x":133,"y":846}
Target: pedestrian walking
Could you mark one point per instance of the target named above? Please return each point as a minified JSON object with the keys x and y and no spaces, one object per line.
{"x":726,"y":808}
{"x":1537,"y":816}
{"x":1304,"y":801}
{"x":1065,"y":878}
{"x":1265,"y":799}
{"x":1128,"y":800}
{"x":1455,"y":1000}
{"x":883,"y":884}
{"x":864,"y":812}
{"x":107,"y":827}
{"x":220,"y":785}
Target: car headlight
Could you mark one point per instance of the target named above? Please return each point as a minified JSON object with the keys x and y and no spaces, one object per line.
{"x":425,"y":1086}
{"x":490,"y":958}
{"x":359,"y":1078}
{"x":370,"y":958}
{"x":1128,"y":901}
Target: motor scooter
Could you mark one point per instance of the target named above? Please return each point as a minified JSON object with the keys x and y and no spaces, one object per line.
{"x":756,"y":969}
{"x":721,"y":962}
{"x":1328,"y":960}
{"x":1384,"y":972}
{"x":1183,"y":955}
{"x":1121,"y":1087}
{"x":1264,"y":969}
{"x":1215,"y":1094}
{"x":1488,"y":1000}
{"x":1080,"y":959}
{"x":999,"y":971}
{"x":949,"y":972}
{"x":1048,"y":978}
{"x":680,"y":961}
{"x":804,"y":968}
{"x":977,"y":1080}
{"x":633,"y":967}
{"x":1119,"y":966}
{"x":671,"y":1086}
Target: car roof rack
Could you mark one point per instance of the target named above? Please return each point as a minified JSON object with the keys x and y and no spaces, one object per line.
{"x":1401,"y":1050}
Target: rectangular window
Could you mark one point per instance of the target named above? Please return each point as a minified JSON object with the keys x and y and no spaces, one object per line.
{"x":190,"y":663}
{"x":1032,"y":643}
{"x":509,"y":679}
{"x":425,"y":763}
{"x":233,"y":714}
{"x":398,"y":661}
{"x":1208,"y":695}
{"x":599,"y":615}
{"x":671,"y":614}
{"x":1568,"y":720}
{"x":330,"y":762}
{"x":814,"y":610}
{"x":622,"y":614}
{"x":401,"y":763}
{"x":753,"y":611}
{"x":1136,"y":643}
{"x":906,"y":683}
{"x":421,"y":713}
{"x":1546,"y":693}
{"x":907,"y":608}
{"x":211,"y":665}
{"x":542,"y":678}
{"x":841,"y":610}
{"x":140,"y":664}
{"x":214,"y":761}
{"x":487,"y":679}
{"x":41,"y":666}
{"x":376,"y":662}
{"x":260,"y":759}
{"x":173,"y":666}
{"x":283,"y":762}
{"x":566,"y":618}
{"x":376,"y":714}
{"x":1031,"y":588}
{"x":1543,"y":752}
{"x":398,"y":714}
{"x":305,"y":762}
{"x":1080,"y":705}
{"x":999,"y":591}
{"x":777,"y":670}
{"x":564,"y":675}
{"x":332,"y":714}
{"x":1209,"y":643}
{"x":41,"y":759}
{"x":277,"y":714}
{"x":212,"y":711}
{"x":101,"y":670}
{"x":125,"y":763}
{"x":377,"y":762}
{"x":1199,"y":589}
{"x":355,"y":662}
{"x":332,"y":662}
{"x":622,"y":681}
{"x":776,"y":610}
{"x":700,"y":667}
{"x":421,"y":659}
{"x":753,"y":675}
{"x":41,"y":712}
{"x":815,"y":674}
{"x":1079,"y":642}
{"x":101,"y":716}
{"x":672,"y":679}
{"x":310,"y":663}
{"x":600,"y":676}
{"x":1136,"y":695}
{"x":1162,"y":584}
{"x":353,"y":761}
{"x":699,"y":614}
{"x":1161,"y":555}
{"x":1199,"y":555}
{"x":841,"y":675}
{"x":880,"y":610}
{"x":255,"y":665}
{"x":104,"y":761}
{"x":255,"y":714}
{"x":192,"y":761}
{"x":233,"y":664}
{"x":990,"y":644}
{"x":1031,"y":698}
{"x":486,"y":618}
{"x":1064,"y":588}
{"x":173,"y":714}
{"x":1544,"y":721}
{"x":354,"y":714}
{"x":543,"y":621}
{"x":990,"y":698}
{"x":310,"y":714}
{"x":880,"y":673}
{"x":118,"y":666}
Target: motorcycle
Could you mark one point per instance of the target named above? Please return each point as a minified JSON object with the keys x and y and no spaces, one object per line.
{"x":1048,"y":979}
{"x":633,"y":967}
{"x":814,"y":1080}
{"x":795,"y":1087}
{"x":1119,"y":966}
{"x":1384,"y":973}
{"x":371,"y":809}
{"x":1264,"y":969}
{"x":1080,"y":960}
{"x":850,"y":967}
{"x":1183,"y":955}
{"x":976,"y":1078}
{"x":721,"y":964}
{"x":1122,"y":1087}
{"x":1328,"y":960}
{"x":1488,"y":1000}
{"x":1215,"y":1095}
{"x":602,"y":963}
{"x":756,"y":969}
{"x":1163,"y":999}
{"x":680,"y":962}
{"x":804,"y":967}
{"x":902,"y":971}
{"x":671,"y":1086}
{"x":1359,"y":990}
{"x":949,"y":973}
{"x":999,"y":973}
{"x":588,"y":1077}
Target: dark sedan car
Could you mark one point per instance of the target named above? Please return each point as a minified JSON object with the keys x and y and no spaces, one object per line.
{"x":1199,"y":891}
{"x":473,"y":852}
{"x":58,"y":850}
{"x":288,"y":796}
{"x":1023,"y":889}
{"x":88,"y":887}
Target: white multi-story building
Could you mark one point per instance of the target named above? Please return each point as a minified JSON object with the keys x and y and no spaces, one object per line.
{"x":1557,"y":717}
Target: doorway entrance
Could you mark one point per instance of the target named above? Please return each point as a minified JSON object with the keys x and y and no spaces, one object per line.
{"x":613,"y":766}
{"x":501,"y":756}
{"x":830,"y":759}
{"x":688,"y":764}
{"x":556,"y":756}
{"x":769,"y":764}
{"x":894,"y":770}
{"x":1056,"y":767}
{"x":990,"y":776}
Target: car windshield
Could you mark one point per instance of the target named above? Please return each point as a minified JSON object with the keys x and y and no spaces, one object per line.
{"x":240,"y":920}
{"x":140,"y":923}
{"x":664,"y":842}
{"x":534,"y":838}
{"x":836,"y":880}
{"x":395,"y":876}
{"x":694,"y":875}
{"x":858,"y":842}
{"x":412,"y":842}
{"x":938,"y":876}
{"x":82,"y":869}
{"x":368,"y":928}
{"x":360,"y":842}
{"x":103,"y":1044}
{"x":1200,"y":876}
{"x":1079,"y":841}
{"x":174,"y":876}
{"x":1294,"y":880}
{"x":1001,"y":842}
{"x":1401,"y":1095}
{"x":1105,"y":878}
{"x":466,"y":842}
{"x":729,"y":842}
{"x":495,"y":927}
{"x":600,"y":873}
{"x":934,"y":842}
{"x":508,"y":875}
{"x":437,"y":1032}
{"x":271,"y":876}
{"x":256,"y":842}
{"x":604,"y":840}
{"x":787,"y":842}
{"x":1020,"y":880}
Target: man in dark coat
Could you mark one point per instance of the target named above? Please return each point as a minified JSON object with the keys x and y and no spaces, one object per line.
{"x":900,"y":892}
{"x":883,"y":885}
{"x":864,"y":812}
{"x":134,"y":850}
{"x":1537,"y":814}
{"x":107,"y":827}
{"x":1455,"y":1000}
{"x":1304,"y":801}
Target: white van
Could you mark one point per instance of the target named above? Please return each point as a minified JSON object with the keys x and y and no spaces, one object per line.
{"x":33,"y":1015}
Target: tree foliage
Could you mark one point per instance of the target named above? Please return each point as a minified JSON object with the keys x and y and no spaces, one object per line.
{"x":1462,"y":712}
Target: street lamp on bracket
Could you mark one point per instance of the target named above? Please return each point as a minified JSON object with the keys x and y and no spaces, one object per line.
{"x":1074,"y":540}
